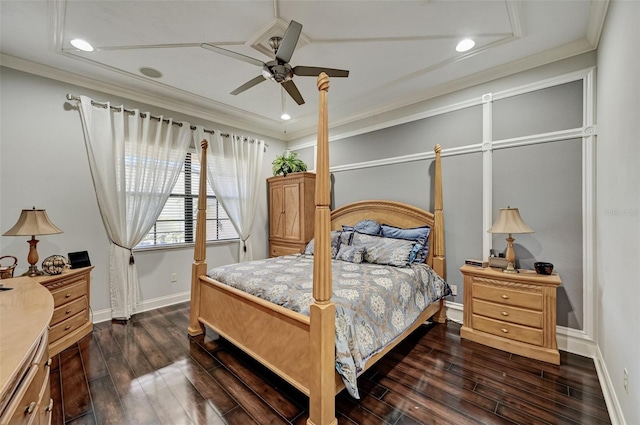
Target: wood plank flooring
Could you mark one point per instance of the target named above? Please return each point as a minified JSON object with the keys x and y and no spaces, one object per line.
{"x":148,"y":371}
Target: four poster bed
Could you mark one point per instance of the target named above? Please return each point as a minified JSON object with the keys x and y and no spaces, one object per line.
{"x":300,"y":346}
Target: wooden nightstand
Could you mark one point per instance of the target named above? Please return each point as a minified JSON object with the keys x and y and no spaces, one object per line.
{"x":511,"y":312}
{"x":71,"y":297}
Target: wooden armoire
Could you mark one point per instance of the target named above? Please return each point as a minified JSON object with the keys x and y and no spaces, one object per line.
{"x":291,"y":212}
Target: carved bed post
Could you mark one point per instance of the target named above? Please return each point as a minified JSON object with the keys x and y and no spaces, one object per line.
{"x":439,"y":262}
{"x":322,"y":311}
{"x":199,"y":266}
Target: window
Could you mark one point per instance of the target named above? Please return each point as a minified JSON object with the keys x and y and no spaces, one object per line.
{"x":177,"y":221}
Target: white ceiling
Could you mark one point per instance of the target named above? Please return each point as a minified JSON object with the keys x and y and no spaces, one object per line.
{"x":398,"y":52}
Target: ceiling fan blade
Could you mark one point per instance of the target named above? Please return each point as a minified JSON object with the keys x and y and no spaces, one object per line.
{"x":231,"y":54}
{"x":314,"y":71}
{"x":291,"y":88}
{"x":289,"y":42}
{"x":248,"y":85}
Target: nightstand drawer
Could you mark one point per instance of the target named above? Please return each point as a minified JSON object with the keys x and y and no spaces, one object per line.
{"x":508,"y":314}
{"x":508,"y":330}
{"x":67,"y":326}
{"x":507,"y":296}
{"x":69,"y":293}
{"x":70,"y":309}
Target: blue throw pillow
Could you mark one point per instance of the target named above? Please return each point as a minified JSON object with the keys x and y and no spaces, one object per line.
{"x":367,"y":227}
{"x":418,"y":234}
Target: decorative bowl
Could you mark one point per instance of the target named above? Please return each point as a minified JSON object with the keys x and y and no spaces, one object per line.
{"x":543,"y":268}
{"x":54,"y":264}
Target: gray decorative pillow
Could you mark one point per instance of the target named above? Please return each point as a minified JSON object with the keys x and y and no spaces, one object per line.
{"x":335,"y":243}
{"x":380,"y":250}
{"x":352,"y":254}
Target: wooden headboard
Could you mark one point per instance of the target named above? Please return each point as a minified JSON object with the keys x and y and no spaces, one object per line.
{"x":402,"y":215}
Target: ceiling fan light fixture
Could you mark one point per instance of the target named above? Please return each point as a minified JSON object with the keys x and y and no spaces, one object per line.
{"x":465,"y":44}
{"x":81,"y":44}
{"x":285,"y":116}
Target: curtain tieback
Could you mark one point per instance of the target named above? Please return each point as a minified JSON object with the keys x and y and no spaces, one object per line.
{"x":131,"y":259}
{"x":244,"y":244}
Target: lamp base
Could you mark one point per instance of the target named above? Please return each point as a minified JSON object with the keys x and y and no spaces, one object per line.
{"x":510,"y":268}
{"x":33,"y":271}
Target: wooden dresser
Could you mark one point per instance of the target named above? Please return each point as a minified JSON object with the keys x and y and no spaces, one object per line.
{"x":512,"y":312}
{"x":71,"y":295}
{"x":25,"y":312}
{"x":291,"y":211}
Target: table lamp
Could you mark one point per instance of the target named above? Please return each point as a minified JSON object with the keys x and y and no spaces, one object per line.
{"x":32,"y":223}
{"x":509,"y":221}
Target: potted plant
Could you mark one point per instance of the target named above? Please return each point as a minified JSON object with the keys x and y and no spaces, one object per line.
{"x":287,"y":163}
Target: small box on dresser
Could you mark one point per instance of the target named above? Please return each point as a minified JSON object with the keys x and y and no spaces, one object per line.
{"x":71,"y":297}
{"x":511,"y":312}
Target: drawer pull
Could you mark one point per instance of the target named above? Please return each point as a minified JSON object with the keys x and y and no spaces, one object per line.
{"x":49,"y":407}
{"x":504,"y":313}
{"x":505,"y":297}
{"x":68,"y":311}
{"x":506,"y":331}
{"x":68,"y":295}
{"x":30,"y":408}
{"x":66,"y":328}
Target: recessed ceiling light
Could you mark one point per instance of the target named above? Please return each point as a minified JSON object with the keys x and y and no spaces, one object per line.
{"x":78,"y":43}
{"x":466,"y":44}
{"x":150,"y":72}
{"x":285,"y":116}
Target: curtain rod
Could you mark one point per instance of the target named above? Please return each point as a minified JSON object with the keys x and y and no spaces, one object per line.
{"x":143,"y":115}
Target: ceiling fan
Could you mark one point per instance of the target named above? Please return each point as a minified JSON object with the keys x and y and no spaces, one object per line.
{"x":279,"y":70}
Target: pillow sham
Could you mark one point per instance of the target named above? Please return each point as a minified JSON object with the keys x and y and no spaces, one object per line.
{"x":381,"y":250}
{"x":335,"y":244}
{"x":420,"y":235}
{"x":351,"y":253}
{"x":368,"y":227}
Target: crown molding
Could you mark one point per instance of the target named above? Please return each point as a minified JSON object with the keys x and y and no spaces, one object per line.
{"x":597,"y":15}
{"x":115,"y":90}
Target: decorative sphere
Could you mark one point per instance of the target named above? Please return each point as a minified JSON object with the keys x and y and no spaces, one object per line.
{"x":54,"y":264}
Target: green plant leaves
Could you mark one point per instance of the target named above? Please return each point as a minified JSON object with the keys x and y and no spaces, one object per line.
{"x":285,"y":164}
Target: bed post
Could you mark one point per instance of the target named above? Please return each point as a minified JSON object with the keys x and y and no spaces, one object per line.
{"x":199,"y":266}
{"x":439,"y":262}
{"x":322,"y":310}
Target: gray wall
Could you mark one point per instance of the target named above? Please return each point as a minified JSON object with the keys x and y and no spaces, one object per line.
{"x":544,"y":180}
{"x":43,"y":163}
{"x":618,"y":208}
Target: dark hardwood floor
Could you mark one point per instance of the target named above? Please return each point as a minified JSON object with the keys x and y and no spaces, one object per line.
{"x":148,"y":371}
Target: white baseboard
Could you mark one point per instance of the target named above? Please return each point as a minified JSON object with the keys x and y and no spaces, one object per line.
{"x":454,"y":311}
{"x":105,"y":315}
{"x":610,"y":398}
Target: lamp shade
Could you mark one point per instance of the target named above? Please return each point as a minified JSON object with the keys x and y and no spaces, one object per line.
{"x":509,"y":221}
{"x":33,"y":222}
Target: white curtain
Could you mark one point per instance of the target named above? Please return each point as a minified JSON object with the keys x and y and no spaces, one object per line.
{"x":135,"y":161}
{"x":234,"y":171}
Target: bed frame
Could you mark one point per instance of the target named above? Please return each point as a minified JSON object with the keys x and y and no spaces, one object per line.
{"x":299,"y":348}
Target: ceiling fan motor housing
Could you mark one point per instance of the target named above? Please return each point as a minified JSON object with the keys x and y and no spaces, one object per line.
{"x":277,"y":72}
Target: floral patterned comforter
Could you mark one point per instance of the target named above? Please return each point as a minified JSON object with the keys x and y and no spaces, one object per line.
{"x":374,"y":303}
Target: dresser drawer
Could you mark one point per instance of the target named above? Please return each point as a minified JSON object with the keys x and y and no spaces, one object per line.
{"x":24,"y":408}
{"x":68,"y":293}
{"x":67,"y":326}
{"x":70,"y":309}
{"x":508,"y":296}
{"x":507,"y":313}
{"x":508,"y":330}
